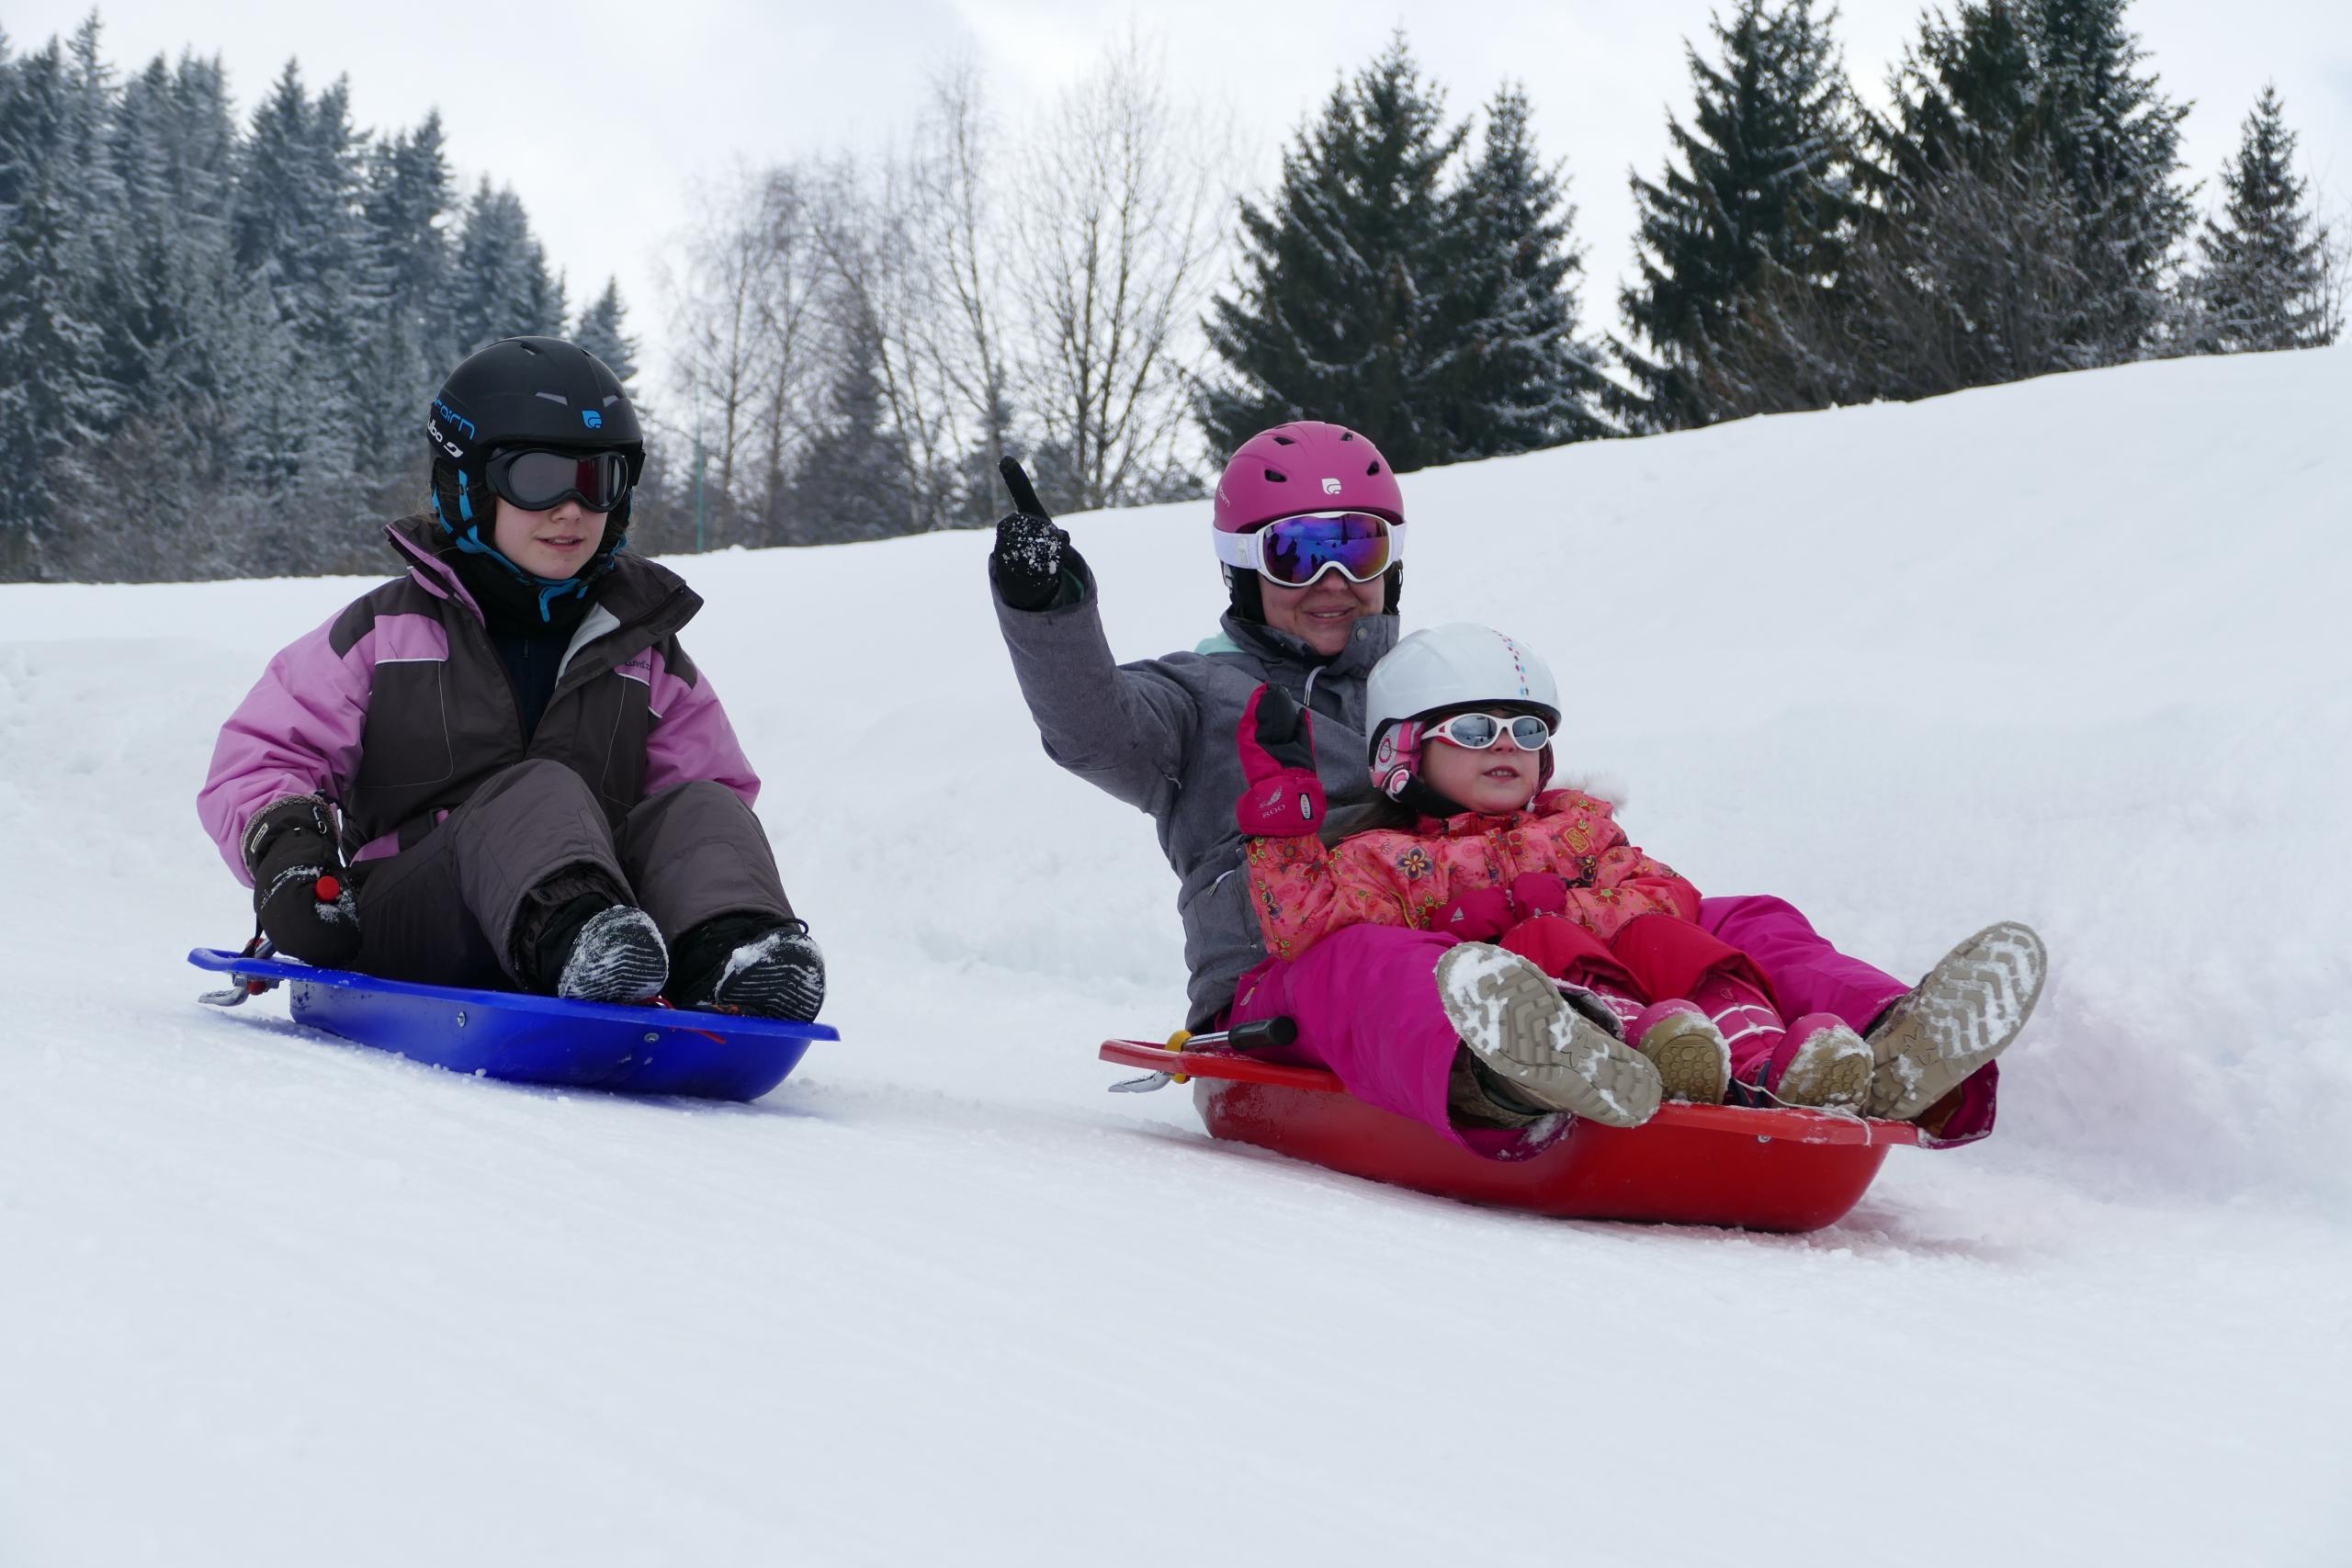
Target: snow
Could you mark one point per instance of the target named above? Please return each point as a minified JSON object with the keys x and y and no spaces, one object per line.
{"x":2072,"y":652}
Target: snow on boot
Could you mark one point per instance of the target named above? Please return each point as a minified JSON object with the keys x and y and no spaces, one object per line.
{"x":1963,"y":1014}
{"x":777,"y":974}
{"x":1823,"y":1064}
{"x":1511,"y":1018}
{"x":616,"y":957}
{"x":1683,"y":1044}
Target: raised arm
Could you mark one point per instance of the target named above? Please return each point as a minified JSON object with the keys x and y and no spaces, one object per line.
{"x":1128,"y":731}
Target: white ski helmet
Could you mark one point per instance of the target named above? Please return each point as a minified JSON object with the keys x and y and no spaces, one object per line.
{"x":1443,"y":669}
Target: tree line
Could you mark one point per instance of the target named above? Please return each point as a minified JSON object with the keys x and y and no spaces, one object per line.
{"x":214,"y":336}
{"x":217,"y":339}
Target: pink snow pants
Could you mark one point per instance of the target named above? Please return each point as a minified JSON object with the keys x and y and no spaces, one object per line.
{"x":1810,"y":975}
{"x":1365,"y":1002}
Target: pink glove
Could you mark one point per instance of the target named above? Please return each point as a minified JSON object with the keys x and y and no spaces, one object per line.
{"x":1534,"y":893}
{"x":1483,"y":915}
{"x":1285,"y":799}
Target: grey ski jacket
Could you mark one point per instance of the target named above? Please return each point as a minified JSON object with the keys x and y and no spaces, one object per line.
{"x":1159,"y":734}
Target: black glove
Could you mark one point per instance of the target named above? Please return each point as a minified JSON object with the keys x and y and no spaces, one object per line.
{"x":1026,"y":564}
{"x":305,"y":907}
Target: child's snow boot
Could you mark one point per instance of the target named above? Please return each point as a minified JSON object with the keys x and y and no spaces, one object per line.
{"x":754,"y":964}
{"x":1683,"y":1044}
{"x":1516,"y":1023}
{"x":1963,"y":1014}
{"x":1823,"y":1064}
{"x":616,"y":957}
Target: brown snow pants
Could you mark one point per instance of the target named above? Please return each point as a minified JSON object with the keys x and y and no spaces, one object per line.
{"x":443,"y":912}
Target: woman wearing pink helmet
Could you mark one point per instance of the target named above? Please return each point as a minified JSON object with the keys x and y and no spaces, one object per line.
{"x":1310,"y":528}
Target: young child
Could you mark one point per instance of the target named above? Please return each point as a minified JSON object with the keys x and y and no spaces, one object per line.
{"x":502,"y":769}
{"x":1474,"y":848}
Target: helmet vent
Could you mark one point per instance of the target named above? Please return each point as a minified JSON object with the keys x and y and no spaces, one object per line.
{"x":555,"y":397}
{"x":1278,"y":476}
{"x":1347,"y":435}
{"x":1372,"y":467}
{"x":1284,"y":441}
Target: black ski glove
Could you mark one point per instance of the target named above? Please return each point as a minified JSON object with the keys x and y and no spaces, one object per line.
{"x":305,"y":907}
{"x":1030,"y":553}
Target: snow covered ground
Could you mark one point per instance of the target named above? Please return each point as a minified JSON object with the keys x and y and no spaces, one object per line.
{"x":2074,"y":652}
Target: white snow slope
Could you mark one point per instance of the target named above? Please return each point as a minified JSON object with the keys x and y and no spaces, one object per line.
{"x":2074,"y":652}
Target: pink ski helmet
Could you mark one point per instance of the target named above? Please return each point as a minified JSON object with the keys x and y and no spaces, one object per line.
{"x":1305,"y":465}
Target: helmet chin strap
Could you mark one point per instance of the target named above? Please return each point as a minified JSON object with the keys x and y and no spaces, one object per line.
{"x":549,"y":588}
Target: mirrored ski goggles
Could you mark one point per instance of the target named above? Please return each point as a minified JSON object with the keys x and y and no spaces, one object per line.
{"x":1477,"y":732}
{"x":1294,"y":551}
{"x":536,"y":480}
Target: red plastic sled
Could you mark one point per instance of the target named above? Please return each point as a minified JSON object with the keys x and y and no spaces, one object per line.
{"x":1692,"y":1165}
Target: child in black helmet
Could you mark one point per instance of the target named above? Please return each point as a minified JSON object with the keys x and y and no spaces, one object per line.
{"x":502,"y":768}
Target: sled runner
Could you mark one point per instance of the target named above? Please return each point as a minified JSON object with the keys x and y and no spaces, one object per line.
{"x":531,"y":1039}
{"x":1700,"y":1165}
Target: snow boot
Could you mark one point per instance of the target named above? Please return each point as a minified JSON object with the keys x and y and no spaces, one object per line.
{"x":1822,"y":1064}
{"x":1477,"y":1096}
{"x":1520,"y":1028}
{"x":752,"y":964}
{"x":1683,"y":1044}
{"x":616,"y":957}
{"x":1966,"y":1012}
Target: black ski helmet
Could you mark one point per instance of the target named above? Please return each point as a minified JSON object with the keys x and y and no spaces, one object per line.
{"x":526,"y":391}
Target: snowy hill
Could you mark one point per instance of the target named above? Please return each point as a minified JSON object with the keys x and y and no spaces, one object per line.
{"x":2074,"y":651}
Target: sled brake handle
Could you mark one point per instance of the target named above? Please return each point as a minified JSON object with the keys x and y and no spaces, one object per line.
{"x":1256,"y":1036}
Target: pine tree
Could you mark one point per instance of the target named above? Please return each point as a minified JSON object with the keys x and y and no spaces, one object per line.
{"x":2115,"y":141}
{"x":237,"y":326}
{"x":1765,"y":188}
{"x":1520,"y":379}
{"x":56,"y":398}
{"x":1339,"y":304}
{"x":2264,"y":277}
{"x":501,"y":287}
{"x":2040,"y":103}
{"x":850,"y":482}
{"x":602,"y":331}
{"x":300,"y":229}
{"x":413,"y":340}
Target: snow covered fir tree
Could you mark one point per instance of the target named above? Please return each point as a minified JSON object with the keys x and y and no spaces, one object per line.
{"x":1389,"y":284}
{"x":1763,"y":185}
{"x":2266,"y":277}
{"x":238,"y":323}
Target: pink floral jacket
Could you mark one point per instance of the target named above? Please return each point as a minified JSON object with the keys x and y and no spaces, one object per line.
{"x":1305,"y":890}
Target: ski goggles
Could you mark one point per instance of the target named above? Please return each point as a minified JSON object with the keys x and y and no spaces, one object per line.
{"x":539,"y":480}
{"x":1293,"y":552}
{"x":1478,"y":731}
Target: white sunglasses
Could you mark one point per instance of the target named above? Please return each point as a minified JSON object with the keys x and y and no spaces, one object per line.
{"x":1477,"y":732}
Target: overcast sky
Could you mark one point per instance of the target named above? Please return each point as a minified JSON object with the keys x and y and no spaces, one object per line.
{"x":605,"y":106}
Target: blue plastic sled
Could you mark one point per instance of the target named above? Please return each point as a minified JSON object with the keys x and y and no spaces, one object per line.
{"x":531,"y":1039}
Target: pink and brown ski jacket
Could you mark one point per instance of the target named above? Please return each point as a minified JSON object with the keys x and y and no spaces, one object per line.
{"x":398,"y":709}
{"x":1305,"y":890}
